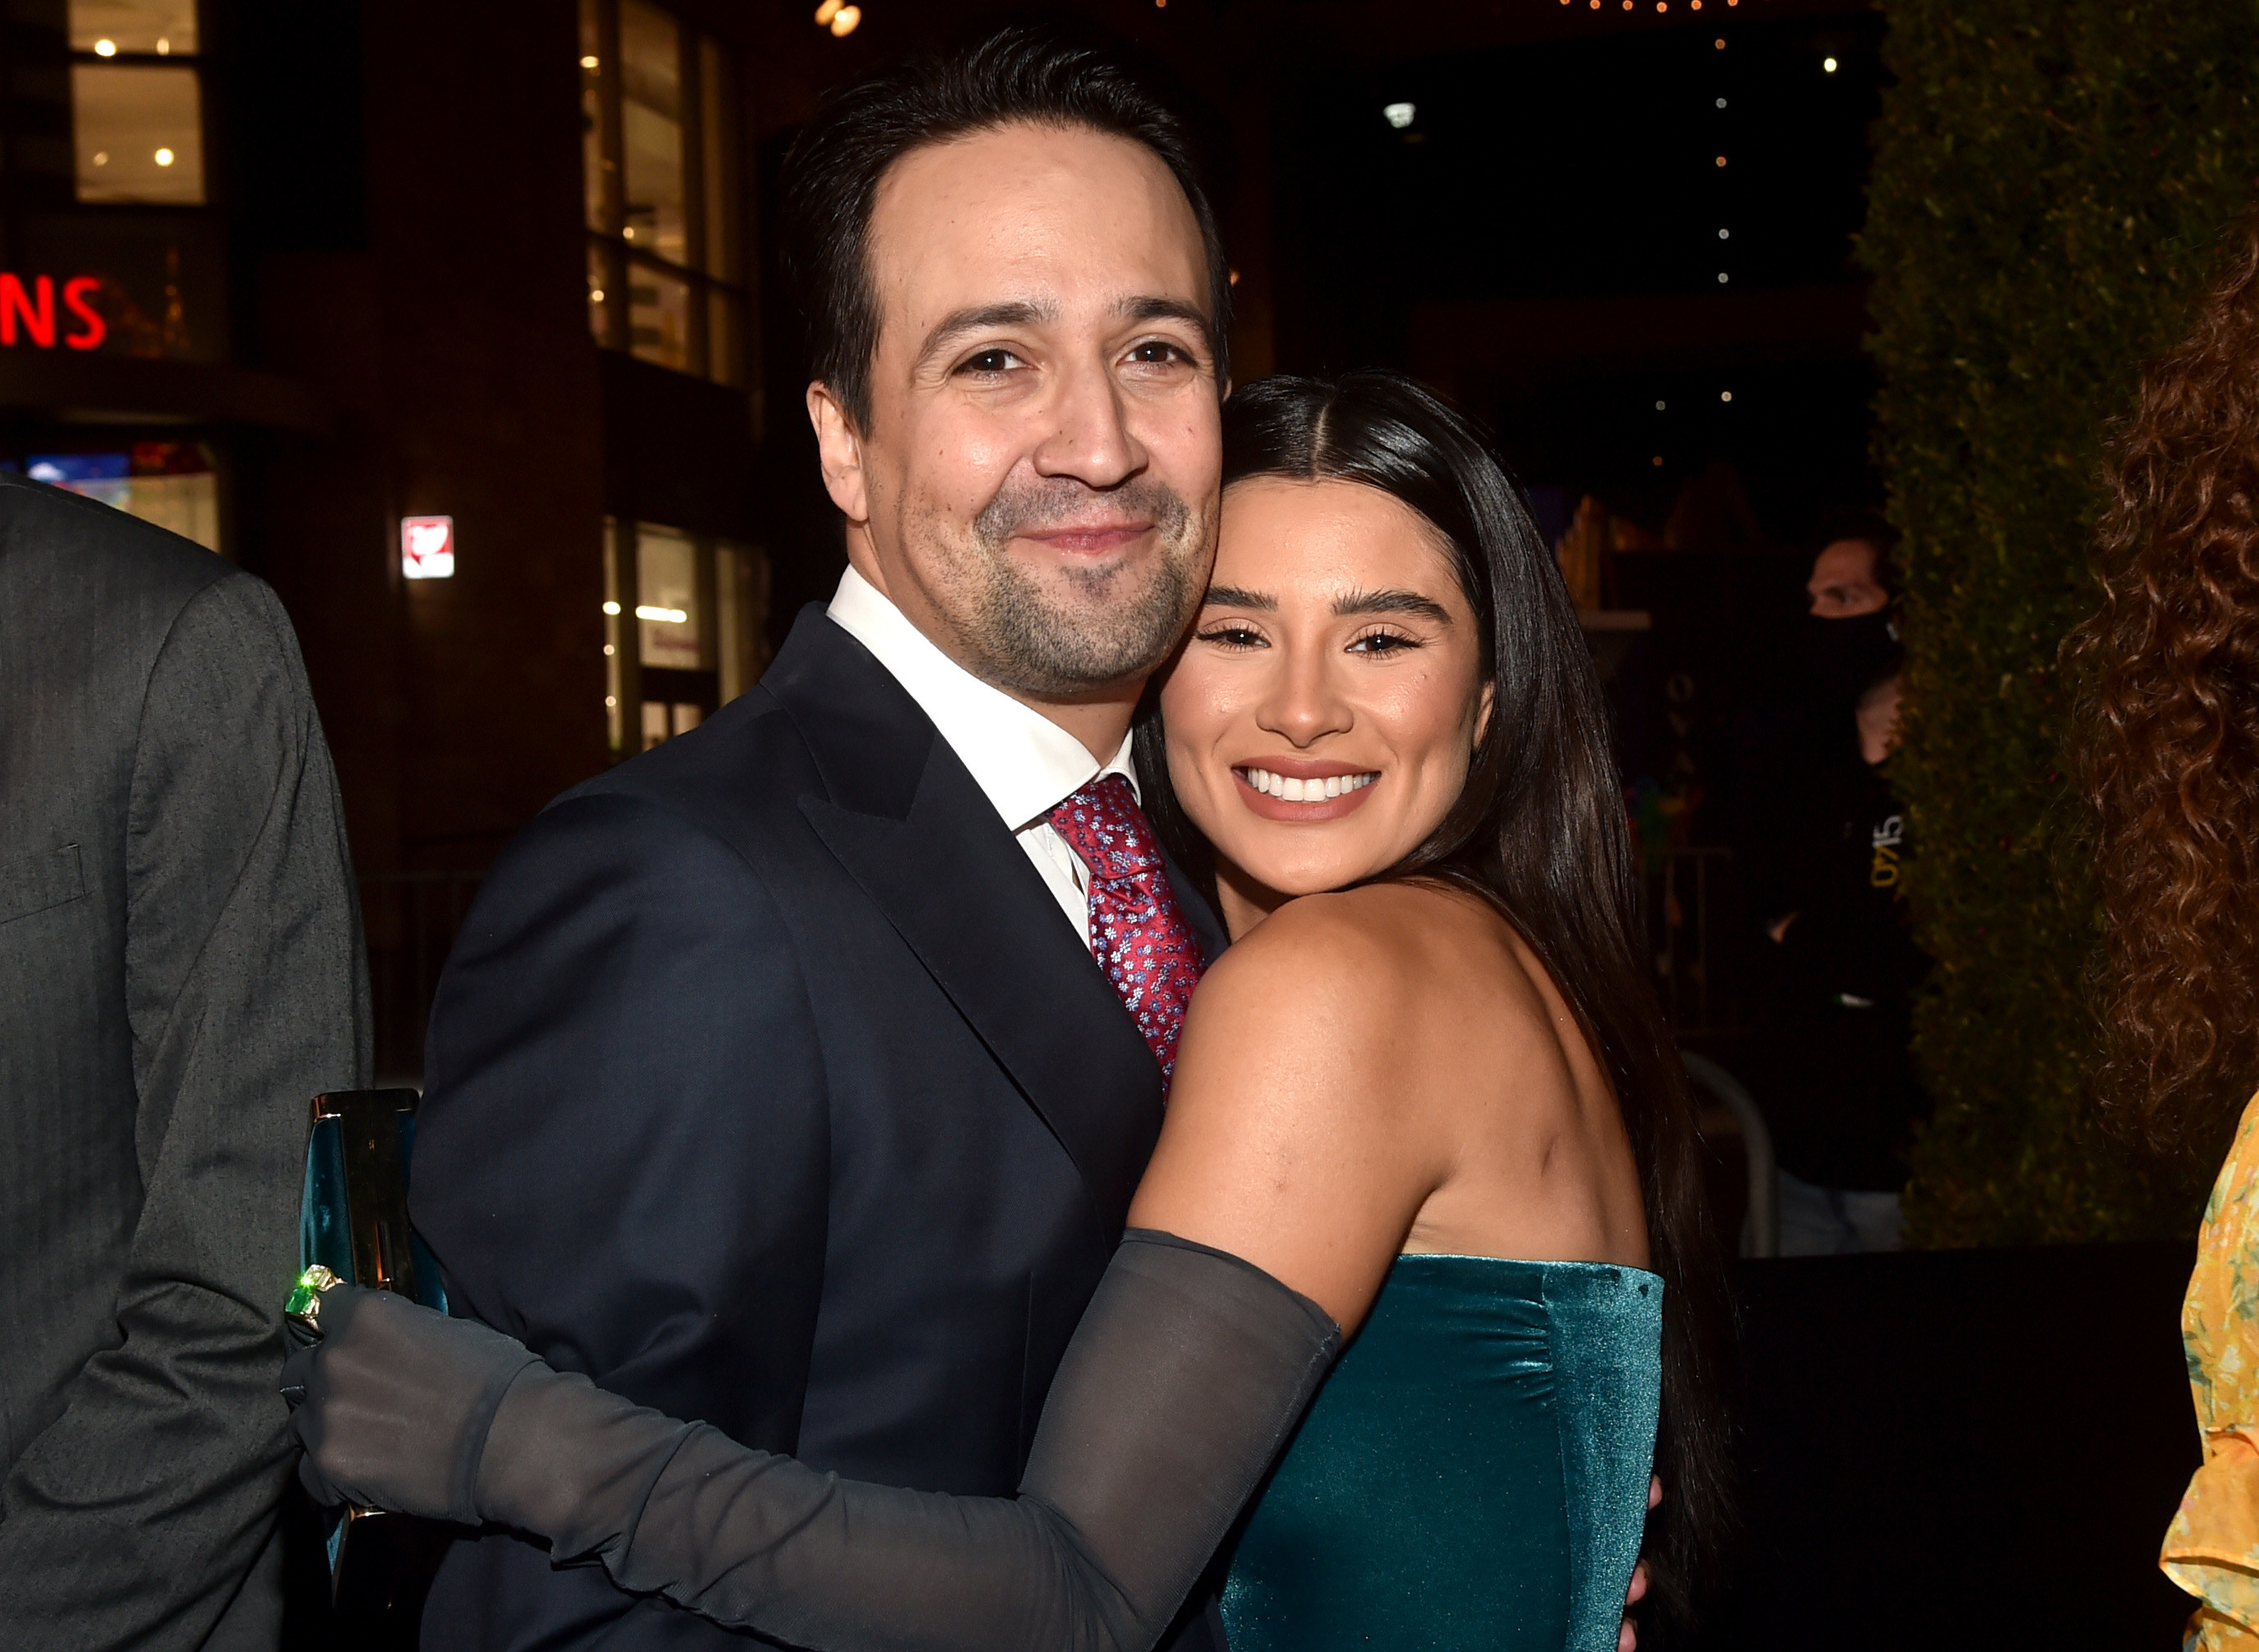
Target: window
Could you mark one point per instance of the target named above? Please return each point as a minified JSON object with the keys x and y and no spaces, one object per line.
{"x":169,"y":483}
{"x":659,"y":105}
{"x":699,"y":627}
{"x":137,"y":108}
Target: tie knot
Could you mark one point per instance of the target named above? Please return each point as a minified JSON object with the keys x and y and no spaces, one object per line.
{"x":1103,"y":825}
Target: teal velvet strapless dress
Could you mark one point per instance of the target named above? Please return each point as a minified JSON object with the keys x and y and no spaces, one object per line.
{"x":1473,"y":1474}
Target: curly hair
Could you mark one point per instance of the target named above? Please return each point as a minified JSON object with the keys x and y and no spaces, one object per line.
{"x":2166,"y":730}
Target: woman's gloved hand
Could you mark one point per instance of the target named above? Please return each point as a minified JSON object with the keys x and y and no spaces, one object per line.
{"x":397,"y":1403}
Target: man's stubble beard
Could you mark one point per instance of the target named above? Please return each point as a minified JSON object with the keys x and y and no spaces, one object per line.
{"x":1119,"y":621}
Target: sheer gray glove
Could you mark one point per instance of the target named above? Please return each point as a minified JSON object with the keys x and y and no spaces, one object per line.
{"x":397,"y":1402}
{"x":1186,"y":1376}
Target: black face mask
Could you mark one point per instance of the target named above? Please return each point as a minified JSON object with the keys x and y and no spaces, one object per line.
{"x":1847,"y":657}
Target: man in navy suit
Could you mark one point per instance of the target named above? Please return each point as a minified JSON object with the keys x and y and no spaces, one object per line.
{"x":774,"y":1081}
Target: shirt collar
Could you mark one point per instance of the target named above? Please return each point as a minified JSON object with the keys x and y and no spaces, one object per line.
{"x":1024,"y":761}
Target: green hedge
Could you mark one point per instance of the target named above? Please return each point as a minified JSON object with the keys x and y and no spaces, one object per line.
{"x":2051,"y":180}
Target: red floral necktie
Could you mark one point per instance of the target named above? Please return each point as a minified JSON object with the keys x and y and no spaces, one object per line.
{"x":1137,"y":932}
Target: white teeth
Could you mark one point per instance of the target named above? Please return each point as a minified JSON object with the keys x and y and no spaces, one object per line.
{"x":1293,"y":791}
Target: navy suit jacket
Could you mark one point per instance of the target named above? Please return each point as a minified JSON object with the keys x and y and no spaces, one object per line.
{"x":769,"y":1086}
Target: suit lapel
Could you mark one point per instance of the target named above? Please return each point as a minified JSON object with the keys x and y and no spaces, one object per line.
{"x":908,"y":823}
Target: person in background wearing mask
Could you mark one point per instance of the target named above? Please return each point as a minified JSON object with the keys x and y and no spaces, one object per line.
{"x":1837,"y":1079}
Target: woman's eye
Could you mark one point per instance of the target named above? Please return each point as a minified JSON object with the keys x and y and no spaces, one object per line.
{"x":1383,"y":642}
{"x":1233,"y":637}
{"x":999,"y":360}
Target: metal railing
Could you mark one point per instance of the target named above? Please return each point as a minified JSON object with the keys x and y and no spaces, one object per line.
{"x":411,"y":919}
{"x":1696,"y":949}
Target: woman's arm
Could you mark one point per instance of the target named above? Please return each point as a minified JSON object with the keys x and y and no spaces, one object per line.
{"x":1306,"y":1122}
{"x":1184,"y":1379}
{"x":1301,"y":1142}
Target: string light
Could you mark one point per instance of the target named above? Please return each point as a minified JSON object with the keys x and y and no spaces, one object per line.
{"x":839,"y":18}
{"x":1826,"y":65}
{"x":1722,"y":161}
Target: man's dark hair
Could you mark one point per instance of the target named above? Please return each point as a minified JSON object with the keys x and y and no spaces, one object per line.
{"x":1871,"y":527}
{"x":1041,"y":74}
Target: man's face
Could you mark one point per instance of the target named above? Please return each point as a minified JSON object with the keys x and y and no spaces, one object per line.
{"x":1844,"y":584}
{"x":1037,"y":485}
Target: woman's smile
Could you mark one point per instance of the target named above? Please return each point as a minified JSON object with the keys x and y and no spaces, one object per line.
{"x":1289,"y":788}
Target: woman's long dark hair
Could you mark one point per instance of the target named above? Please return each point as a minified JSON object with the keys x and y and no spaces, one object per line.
{"x":1540,"y":833}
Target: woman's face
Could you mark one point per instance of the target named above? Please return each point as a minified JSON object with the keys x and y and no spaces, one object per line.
{"x":1321,"y":719}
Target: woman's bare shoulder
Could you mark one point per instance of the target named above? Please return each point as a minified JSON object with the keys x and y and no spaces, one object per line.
{"x":1394,"y":956}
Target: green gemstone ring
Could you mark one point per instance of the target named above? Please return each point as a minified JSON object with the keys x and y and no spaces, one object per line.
{"x":304,"y":1308}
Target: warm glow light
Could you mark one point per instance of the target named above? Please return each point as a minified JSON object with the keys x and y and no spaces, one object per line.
{"x":1658,"y":407}
{"x":609,"y":701}
{"x":843,"y":24}
{"x":164,"y":48}
{"x":1722,"y":161}
{"x":1827,"y":65}
{"x":610,"y":650}
{"x":595,"y":294}
{"x":675,"y":615}
{"x":1721,"y":103}
{"x":102,"y":157}
{"x":1721,"y":276}
{"x":1725,"y":235}
{"x":1657,"y":459}
{"x":1719,"y":43}
{"x":588,"y":63}
{"x":628,"y":231}
{"x":1398,"y":115}
{"x":1725,"y":396}
{"x":1232,"y":278}
{"x":105,"y":48}
{"x":828,"y":11}
{"x":164,"y":157}
{"x":611,"y":608}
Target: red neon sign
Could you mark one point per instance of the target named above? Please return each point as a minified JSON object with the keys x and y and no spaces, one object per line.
{"x":34,"y":312}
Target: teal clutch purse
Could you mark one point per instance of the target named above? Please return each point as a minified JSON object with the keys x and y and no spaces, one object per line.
{"x":353,"y":1220}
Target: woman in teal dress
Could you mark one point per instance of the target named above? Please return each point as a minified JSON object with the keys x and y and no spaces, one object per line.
{"x":1424,"y":1107}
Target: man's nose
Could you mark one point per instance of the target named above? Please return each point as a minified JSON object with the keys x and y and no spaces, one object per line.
{"x":1303,"y":703}
{"x":1089,"y":438}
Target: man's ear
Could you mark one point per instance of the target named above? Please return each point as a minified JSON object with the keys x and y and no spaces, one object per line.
{"x":839,"y":451}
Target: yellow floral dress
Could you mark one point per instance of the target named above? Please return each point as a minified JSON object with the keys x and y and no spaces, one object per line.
{"x":2212,"y":1549}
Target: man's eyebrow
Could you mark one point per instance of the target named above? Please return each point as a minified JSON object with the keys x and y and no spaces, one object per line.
{"x":1155,"y":308}
{"x":1232,"y":596}
{"x":1018,"y":313}
{"x":1391,"y":602}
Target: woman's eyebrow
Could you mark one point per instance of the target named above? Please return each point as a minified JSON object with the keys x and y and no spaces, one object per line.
{"x":1232,"y":596}
{"x":1391,"y":602}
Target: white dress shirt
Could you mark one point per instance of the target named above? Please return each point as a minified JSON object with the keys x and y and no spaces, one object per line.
{"x":1025,"y":763}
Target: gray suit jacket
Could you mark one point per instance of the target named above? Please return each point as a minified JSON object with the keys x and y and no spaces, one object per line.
{"x":180,"y":969}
